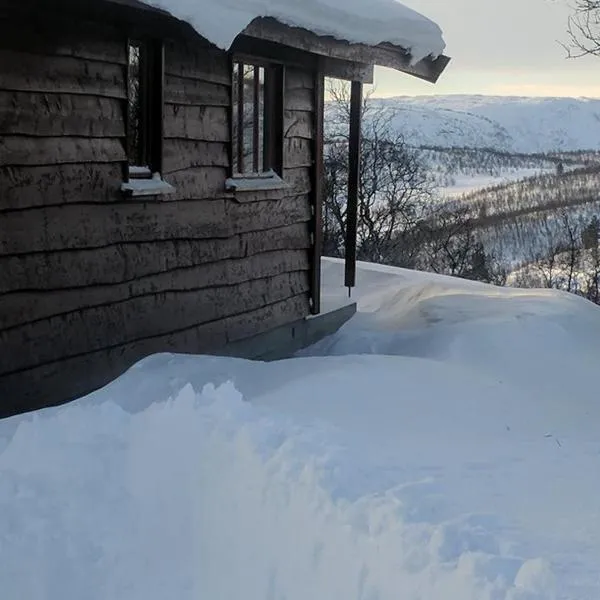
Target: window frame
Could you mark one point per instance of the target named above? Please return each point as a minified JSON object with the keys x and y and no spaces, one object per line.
{"x":268,"y":175}
{"x":143,"y":176}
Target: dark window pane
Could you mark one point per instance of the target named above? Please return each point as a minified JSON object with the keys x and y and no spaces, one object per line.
{"x":134,"y":115}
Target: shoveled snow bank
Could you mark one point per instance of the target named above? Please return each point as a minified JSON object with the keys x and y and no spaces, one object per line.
{"x":360,"y":21}
{"x":462,"y":465}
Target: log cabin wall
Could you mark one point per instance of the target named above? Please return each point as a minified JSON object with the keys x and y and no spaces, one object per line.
{"x":90,"y":281}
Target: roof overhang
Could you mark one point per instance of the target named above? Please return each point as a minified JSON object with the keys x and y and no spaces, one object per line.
{"x":337,"y":58}
{"x":384,"y":55}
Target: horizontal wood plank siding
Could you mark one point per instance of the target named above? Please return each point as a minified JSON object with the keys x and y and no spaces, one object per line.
{"x":45,"y":114}
{"x":138,"y":317}
{"x":28,"y":72}
{"x":25,"y":187}
{"x":70,"y":378}
{"x":96,"y":225}
{"x":91,"y":281}
{"x":128,"y":261}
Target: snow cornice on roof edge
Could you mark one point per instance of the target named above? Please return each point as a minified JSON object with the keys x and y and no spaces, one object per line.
{"x":369,"y":32}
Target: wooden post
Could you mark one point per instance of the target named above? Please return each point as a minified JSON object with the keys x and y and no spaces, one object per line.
{"x":240,"y":118}
{"x":157,"y":110}
{"x":353,"y":181}
{"x":317,"y":191}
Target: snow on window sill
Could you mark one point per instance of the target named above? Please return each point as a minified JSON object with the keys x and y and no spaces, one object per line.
{"x":255,"y":183}
{"x":156,"y":186}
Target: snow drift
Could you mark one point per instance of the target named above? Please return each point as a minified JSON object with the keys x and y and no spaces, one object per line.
{"x":442,"y":446}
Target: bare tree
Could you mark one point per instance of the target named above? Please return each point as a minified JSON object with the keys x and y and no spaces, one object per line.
{"x":393,"y":187}
{"x":584,"y":29}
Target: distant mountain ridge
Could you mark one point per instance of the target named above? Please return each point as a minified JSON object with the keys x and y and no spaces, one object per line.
{"x":506,"y":123}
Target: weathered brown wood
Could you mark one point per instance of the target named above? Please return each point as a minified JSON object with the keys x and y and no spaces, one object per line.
{"x":197,"y":61}
{"x":190,"y":154}
{"x":385,"y":55}
{"x":245,"y":45}
{"x":53,"y":35}
{"x":137,"y":318}
{"x":67,"y":379}
{"x":124,"y":262}
{"x":299,"y":179}
{"x":21,"y":151}
{"x":264,"y":319}
{"x":207,"y":123}
{"x":298,"y":123}
{"x":179,"y":90}
{"x":299,"y":99}
{"x":317,"y":192}
{"x":22,"y":71}
{"x":46,"y":114}
{"x":95,"y":225}
{"x":198,"y":183}
{"x":296,"y":78}
{"x":354,"y":142}
{"x":25,"y":307}
{"x":27,"y":187}
{"x":297,"y":152}
{"x":347,"y":70}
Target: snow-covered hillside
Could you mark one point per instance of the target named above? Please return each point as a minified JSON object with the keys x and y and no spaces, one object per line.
{"x":513,"y":124}
{"x":442,"y":446}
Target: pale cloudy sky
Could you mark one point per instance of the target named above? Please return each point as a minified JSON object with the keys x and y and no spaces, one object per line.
{"x":501,"y":47}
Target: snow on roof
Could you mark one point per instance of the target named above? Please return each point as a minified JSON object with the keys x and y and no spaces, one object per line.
{"x":368,"y":22}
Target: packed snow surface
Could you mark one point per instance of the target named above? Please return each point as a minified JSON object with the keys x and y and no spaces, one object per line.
{"x":443,"y":445}
{"x":360,"y":21}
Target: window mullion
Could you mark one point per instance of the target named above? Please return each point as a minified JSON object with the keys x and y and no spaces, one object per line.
{"x":240,"y":118}
{"x":256,"y":121}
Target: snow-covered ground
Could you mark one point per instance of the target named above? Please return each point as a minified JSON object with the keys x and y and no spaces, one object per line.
{"x":465,"y":184}
{"x":442,"y":446}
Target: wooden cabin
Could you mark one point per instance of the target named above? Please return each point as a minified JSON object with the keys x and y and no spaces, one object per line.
{"x":158,"y":193}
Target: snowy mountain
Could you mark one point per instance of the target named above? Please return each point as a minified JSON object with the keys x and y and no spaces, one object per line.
{"x":514,"y":124}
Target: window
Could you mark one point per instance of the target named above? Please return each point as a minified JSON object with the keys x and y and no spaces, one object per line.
{"x":145,"y":80}
{"x":257,"y":125}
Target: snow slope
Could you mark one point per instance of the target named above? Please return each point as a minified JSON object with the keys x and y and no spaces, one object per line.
{"x":442,"y":446}
{"x":516,"y":124}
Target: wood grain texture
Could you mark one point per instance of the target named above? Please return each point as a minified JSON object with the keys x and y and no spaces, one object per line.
{"x":297,"y":152}
{"x":140,"y":317}
{"x":299,"y":98}
{"x":180,"y":155}
{"x":44,"y":114}
{"x":22,"y":151}
{"x":296,"y":78}
{"x":63,"y":37}
{"x":30,"y":186}
{"x":193,"y":92}
{"x":64,"y":380}
{"x":197,"y":61}
{"x":23,"y":71}
{"x":26,"y":307}
{"x":298,"y":123}
{"x":207,"y":123}
{"x":125,"y":262}
{"x":88,"y":226}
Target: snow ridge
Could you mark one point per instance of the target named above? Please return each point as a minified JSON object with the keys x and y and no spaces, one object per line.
{"x":511,"y":124}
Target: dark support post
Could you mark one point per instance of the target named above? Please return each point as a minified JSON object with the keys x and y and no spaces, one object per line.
{"x":240,"y":118}
{"x":353,"y":180}
{"x":157,"y":109}
{"x":317,"y":191}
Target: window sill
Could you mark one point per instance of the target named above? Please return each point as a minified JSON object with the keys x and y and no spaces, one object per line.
{"x":255,"y":183}
{"x":147,"y":187}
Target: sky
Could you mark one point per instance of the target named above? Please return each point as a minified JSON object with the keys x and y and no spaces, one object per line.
{"x":501,"y":47}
